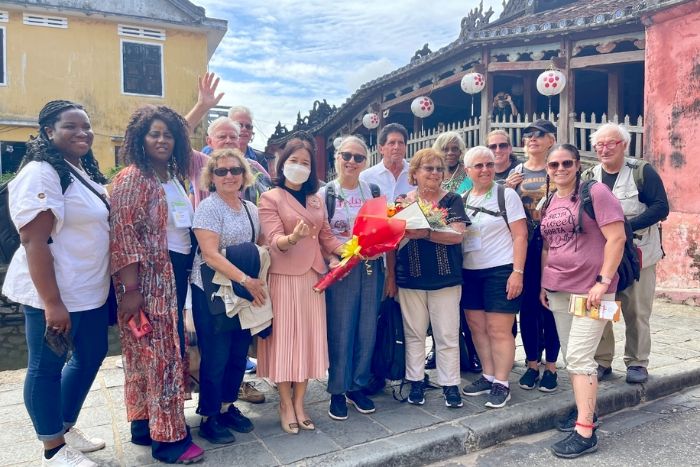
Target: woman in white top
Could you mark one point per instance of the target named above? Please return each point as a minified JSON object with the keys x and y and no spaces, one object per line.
{"x":494,"y":248}
{"x":60,"y":275}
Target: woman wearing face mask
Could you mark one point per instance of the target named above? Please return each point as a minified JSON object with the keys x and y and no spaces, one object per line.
{"x":294,"y":222}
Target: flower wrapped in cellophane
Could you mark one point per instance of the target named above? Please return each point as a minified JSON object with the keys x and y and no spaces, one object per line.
{"x":373,"y":233}
{"x":420,"y":214}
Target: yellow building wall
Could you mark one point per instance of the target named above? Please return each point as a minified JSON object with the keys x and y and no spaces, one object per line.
{"x":83,"y":63}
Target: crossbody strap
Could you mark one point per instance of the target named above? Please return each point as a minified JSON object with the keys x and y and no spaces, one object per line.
{"x":80,"y":178}
{"x":250,"y":218}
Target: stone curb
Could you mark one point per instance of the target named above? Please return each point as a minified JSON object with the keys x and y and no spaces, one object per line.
{"x":476,"y":432}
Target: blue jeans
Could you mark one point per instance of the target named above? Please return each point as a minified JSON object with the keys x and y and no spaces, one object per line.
{"x":352,"y":306}
{"x":223,"y":355}
{"x":54,"y":390}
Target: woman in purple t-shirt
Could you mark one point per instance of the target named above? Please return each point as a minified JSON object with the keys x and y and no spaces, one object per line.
{"x":579,"y":259}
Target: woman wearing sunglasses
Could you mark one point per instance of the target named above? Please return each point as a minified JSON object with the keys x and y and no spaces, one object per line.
{"x":453,"y":147}
{"x":498,"y":141}
{"x":222,"y":220}
{"x":537,"y":329}
{"x":579,"y":259}
{"x":493,"y":267}
{"x":428,"y":273}
{"x":353,"y":303}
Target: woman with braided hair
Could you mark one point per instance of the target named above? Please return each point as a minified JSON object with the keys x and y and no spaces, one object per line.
{"x":151,"y":257}
{"x":580,"y":256}
{"x":60,"y":275}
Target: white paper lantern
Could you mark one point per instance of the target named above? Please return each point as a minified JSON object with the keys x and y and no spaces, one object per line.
{"x":422,"y":107}
{"x":551,"y":82}
{"x":473,"y":83}
{"x":370,"y":121}
{"x":337,"y":141}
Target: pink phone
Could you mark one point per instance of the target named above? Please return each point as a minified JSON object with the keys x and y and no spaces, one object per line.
{"x":140,"y":331}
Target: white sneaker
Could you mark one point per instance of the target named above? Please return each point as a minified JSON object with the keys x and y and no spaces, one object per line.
{"x":78,"y":441}
{"x":67,"y":457}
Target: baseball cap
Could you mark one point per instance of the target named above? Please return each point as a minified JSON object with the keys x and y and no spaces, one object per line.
{"x":542,"y":125}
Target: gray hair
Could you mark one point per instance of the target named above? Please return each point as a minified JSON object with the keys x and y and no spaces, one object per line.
{"x":620,"y":129}
{"x":216,"y":123}
{"x":346,"y":140}
{"x":478,"y":151}
{"x":240,"y":109}
{"x":446,"y":138}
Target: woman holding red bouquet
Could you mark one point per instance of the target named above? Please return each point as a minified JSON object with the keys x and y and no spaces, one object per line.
{"x":428,"y":273}
{"x":353,"y":303}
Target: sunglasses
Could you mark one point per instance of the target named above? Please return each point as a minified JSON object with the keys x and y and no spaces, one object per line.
{"x":533,"y":134}
{"x":222,"y":171}
{"x":359,"y":158}
{"x":429,"y":168}
{"x":493,"y":147}
{"x":247,"y":126}
{"x":567,"y":164}
{"x":481,"y":165}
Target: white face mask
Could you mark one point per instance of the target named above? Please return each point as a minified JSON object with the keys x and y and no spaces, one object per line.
{"x":296,"y":173}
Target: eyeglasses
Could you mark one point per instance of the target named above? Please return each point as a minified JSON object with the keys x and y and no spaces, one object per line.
{"x":567,"y":164}
{"x":359,"y":158}
{"x":247,"y":126}
{"x":533,"y":134}
{"x":429,"y":168}
{"x":222,"y":171}
{"x":608,"y":145}
{"x":481,"y":165}
{"x":447,"y":149}
{"x":493,"y":147}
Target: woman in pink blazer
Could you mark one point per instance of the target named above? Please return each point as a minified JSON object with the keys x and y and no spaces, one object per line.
{"x":294,"y":222}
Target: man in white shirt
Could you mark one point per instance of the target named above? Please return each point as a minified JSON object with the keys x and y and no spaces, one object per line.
{"x":391,"y":174}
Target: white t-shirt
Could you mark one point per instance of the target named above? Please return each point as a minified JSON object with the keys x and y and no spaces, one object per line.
{"x":347,"y":204}
{"x":388,"y":184}
{"x":496,"y":247}
{"x":180,"y":214}
{"x":80,"y":238}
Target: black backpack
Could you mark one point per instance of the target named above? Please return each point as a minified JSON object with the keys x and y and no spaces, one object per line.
{"x":500,"y":196}
{"x":630,"y":267}
{"x":389,"y":359}
{"x":9,"y":237}
{"x":331,"y":196}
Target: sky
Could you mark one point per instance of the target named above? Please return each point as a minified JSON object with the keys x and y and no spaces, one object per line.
{"x":279,"y":56}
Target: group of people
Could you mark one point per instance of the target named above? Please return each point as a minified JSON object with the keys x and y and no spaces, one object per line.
{"x":248,"y":248}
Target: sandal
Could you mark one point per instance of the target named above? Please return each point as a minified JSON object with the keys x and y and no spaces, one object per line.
{"x":193,"y":454}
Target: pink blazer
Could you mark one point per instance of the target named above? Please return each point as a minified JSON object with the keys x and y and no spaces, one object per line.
{"x":279,"y":213}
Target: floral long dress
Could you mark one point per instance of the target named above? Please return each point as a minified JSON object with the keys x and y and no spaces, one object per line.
{"x":153,"y":367}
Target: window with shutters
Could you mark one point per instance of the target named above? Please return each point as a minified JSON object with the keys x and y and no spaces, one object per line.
{"x":142,"y":68}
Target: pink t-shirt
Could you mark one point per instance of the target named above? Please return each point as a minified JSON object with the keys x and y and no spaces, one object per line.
{"x":575,"y":259}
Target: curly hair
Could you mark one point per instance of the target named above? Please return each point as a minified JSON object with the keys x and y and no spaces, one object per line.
{"x":424,"y":155}
{"x":133,"y":151}
{"x":42,"y":149}
{"x":207,"y":176}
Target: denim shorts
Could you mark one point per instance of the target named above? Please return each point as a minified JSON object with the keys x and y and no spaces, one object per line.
{"x":485,"y":289}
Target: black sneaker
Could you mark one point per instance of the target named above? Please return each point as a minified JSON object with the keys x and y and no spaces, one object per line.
{"x":338,"y":409}
{"x":568,"y":424}
{"x":214,"y":432}
{"x":529,"y":379}
{"x":548,"y":382}
{"x":362,"y":403}
{"x":417,"y":394}
{"x":603,"y":372}
{"x":235,"y":420}
{"x":452,"y":398}
{"x":575,"y":445}
{"x":498,"y":396}
{"x":478,"y":387}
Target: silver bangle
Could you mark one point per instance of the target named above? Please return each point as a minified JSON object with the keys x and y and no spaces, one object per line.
{"x":519,"y":271}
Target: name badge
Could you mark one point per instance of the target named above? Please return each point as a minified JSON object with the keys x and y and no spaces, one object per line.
{"x":182,"y":215}
{"x":471,"y":240}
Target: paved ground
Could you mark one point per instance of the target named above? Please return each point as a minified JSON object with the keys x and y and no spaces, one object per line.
{"x":662,"y":432}
{"x":397,"y":434}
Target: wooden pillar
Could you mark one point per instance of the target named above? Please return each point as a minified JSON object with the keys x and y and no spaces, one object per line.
{"x":614,"y":93}
{"x":486,"y":99}
{"x":566,"y":98}
{"x":529,"y":89}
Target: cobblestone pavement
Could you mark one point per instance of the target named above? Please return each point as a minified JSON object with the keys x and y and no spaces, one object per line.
{"x":396,"y":434}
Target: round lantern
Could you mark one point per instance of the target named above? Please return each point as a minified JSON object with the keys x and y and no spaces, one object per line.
{"x":473,"y":83}
{"x":551,"y":82}
{"x":337,"y":141}
{"x":370,"y":121}
{"x":422,"y":107}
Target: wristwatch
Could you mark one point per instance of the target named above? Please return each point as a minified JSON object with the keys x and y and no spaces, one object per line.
{"x":244,"y":280}
{"x":603,"y":280}
{"x":122,"y":289}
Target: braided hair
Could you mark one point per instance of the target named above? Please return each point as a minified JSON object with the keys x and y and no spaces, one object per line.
{"x":42,"y":149}
{"x":573,"y":150}
{"x":133,"y":151}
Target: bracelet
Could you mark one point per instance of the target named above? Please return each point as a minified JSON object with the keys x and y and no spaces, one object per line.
{"x":244,"y":280}
{"x":289,"y":240}
{"x":519,"y":271}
